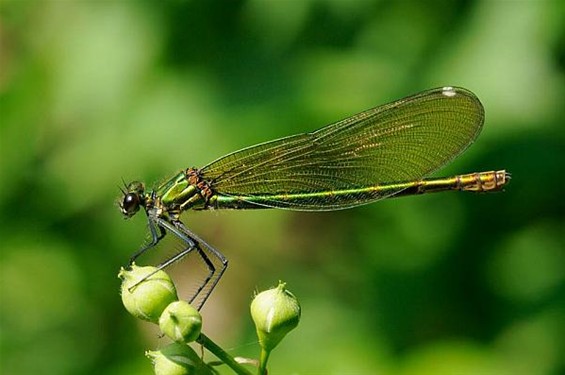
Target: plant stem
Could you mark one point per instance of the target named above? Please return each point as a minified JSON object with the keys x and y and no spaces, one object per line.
{"x":263,"y":362}
{"x":221,"y":354}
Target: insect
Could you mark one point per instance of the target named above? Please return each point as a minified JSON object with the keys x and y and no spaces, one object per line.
{"x":386,"y":151}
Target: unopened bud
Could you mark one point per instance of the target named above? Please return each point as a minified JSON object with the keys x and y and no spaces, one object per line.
{"x":181,"y":322}
{"x":275,"y":312}
{"x":148,"y":298}
{"x":177,"y":359}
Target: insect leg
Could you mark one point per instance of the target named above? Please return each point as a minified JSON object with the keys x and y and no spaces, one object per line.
{"x":218,"y":260}
{"x":157,"y":233}
{"x":193,"y":242}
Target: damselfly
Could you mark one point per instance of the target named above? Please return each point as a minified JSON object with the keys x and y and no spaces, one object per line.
{"x":384,"y":152}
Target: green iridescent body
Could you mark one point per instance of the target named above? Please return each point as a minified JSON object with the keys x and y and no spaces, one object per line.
{"x":178,"y":194}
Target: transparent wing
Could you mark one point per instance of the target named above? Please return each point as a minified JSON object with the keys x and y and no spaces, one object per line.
{"x":401,"y":141}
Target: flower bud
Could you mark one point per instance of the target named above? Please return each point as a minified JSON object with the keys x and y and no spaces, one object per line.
{"x":177,"y":359}
{"x":275,"y":312}
{"x":181,"y":322}
{"x":146,"y":299}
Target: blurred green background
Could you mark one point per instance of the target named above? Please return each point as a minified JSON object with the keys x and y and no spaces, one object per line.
{"x":93,"y":92}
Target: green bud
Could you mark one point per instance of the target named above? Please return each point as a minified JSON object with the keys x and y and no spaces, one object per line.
{"x":177,"y":359}
{"x":275,"y":313}
{"x":148,"y":299}
{"x":181,"y":322}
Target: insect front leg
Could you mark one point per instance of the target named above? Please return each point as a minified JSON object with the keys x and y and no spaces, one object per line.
{"x":157,"y":233}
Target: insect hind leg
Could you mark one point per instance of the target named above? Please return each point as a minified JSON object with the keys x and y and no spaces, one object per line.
{"x":215,"y":262}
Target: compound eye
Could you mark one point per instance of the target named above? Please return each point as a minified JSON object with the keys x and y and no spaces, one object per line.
{"x":130,"y":204}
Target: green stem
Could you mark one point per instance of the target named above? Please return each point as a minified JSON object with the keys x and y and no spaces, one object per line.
{"x":221,"y":354}
{"x":263,"y":362}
